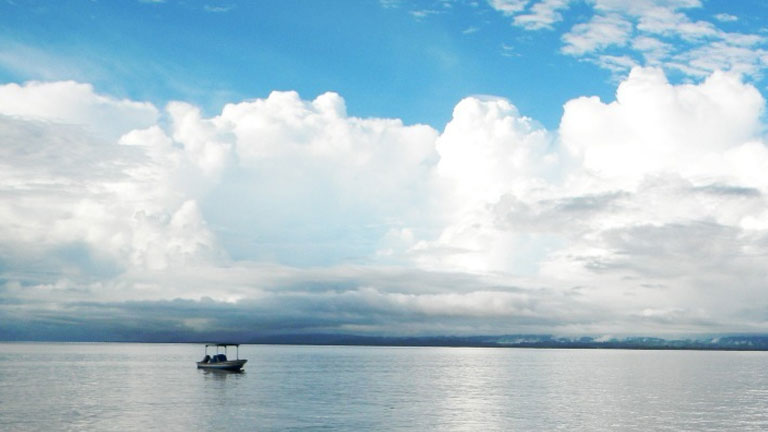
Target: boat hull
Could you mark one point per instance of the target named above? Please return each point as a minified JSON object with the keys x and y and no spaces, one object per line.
{"x":230,"y":365}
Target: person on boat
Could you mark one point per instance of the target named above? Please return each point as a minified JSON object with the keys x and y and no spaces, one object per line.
{"x":206,"y":359}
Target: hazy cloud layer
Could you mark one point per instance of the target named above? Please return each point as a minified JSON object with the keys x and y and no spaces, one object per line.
{"x":278,"y":215}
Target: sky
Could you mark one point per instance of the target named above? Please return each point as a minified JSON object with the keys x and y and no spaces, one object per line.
{"x":186,"y":169}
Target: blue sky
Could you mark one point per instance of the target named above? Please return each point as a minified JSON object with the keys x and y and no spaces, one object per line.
{"x":410,"y":60}
{"x":384,"y":60}
{"x":383,"y":167}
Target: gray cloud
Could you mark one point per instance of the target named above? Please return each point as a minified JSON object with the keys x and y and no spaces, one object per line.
{"x":729,"y":190}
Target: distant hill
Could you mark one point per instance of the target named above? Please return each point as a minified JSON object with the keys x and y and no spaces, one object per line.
{"x":742,"y":342}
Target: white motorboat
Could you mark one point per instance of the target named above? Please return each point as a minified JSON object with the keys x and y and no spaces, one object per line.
{"x":219,"y":361}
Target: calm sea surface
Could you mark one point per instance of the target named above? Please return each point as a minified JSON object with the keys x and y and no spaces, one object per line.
{"x":127,"y":387}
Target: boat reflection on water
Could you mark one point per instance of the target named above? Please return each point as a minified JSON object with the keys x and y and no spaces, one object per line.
{"x":219,"y":361}
{"x":221,"y":374}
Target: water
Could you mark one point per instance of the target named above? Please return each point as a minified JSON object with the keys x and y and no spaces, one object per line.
{"x":105,"y":387}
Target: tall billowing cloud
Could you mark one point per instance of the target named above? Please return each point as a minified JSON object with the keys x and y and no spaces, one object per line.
{"x":304,"y":173}
{"x":655,"y":126}
{"x":276,"y":180}
{"x":673,"y":186}
{"x":644,"y":214}
{"x":487,"y":150}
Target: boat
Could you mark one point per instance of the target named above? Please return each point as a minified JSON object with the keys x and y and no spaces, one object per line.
{"x":219,"y":361}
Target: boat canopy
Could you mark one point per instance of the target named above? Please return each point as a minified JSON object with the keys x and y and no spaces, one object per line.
{"x":223,"y":344}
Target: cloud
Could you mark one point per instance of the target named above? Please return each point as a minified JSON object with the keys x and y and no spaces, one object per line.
{"x":486,"y":150}
{"x":654,"y":125}
{"x":600,"y":32}
{"x":74,"y":103}
{"x":390,"y":4}
{"x":61,"y":188}
{"x":701,"y":61}
{"x":27,"y":60}
{"x":258,"y":168}
{"x":509,"y":7}
{"x":616,"y":64}
{"x":653,"y":50}
{"x":280,"y":214}
{"x":309,"y":172}
{"x":542,"y":15}
{"x":218,"y":9}
{"x":653,"y":207}
{"x":647,"y":32}
{"x":343,"y":300}
{"x":724,"y":17}
{"x":424,"y":13}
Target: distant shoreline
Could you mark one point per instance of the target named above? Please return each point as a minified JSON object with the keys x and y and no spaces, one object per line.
{"x":709,"y":343}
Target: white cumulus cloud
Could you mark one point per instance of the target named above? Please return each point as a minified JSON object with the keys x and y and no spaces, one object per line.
{"x":73,"y":103}
{"x":641,"y":214}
